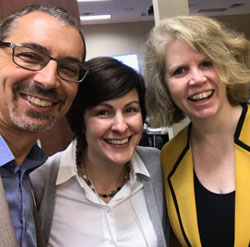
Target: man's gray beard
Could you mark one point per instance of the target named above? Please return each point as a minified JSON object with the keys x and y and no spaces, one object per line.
{"x":26,"y":119}
{"x":30,"y":125}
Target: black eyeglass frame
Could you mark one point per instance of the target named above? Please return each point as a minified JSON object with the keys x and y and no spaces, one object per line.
{"x":13,"y":47}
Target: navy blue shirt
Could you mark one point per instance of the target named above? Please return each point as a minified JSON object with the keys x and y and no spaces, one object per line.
{"x":17,"y":188}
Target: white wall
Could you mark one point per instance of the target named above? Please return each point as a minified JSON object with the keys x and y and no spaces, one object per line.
{"x":127,"y":38}
{"x":116,"y":39}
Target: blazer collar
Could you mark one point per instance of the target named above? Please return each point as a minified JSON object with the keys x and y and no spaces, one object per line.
{"x":180,"y":181}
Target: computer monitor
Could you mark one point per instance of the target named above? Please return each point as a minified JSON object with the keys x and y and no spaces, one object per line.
{"x":130,"y":60}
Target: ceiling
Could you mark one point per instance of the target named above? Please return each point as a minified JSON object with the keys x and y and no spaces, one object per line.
{"x":139,"y":10}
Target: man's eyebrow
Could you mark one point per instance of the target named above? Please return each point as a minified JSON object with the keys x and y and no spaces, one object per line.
{"x":44,"y":50}
{"x":71,"y":59}
{"x":37,"y":47}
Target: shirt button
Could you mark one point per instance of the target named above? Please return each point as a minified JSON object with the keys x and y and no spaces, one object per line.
{"x":111,"y":243}
{"x":24,"y":224}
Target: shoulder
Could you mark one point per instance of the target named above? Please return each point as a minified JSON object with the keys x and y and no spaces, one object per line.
{"x":43,"y":179}
{"x":179,"y":139}
{"x":174,"y":149}
{"x":150,"y":158}
{"x":242,"y":133}
{"x":45,"y":171}
{"x":52,"y":161}
{"x":178,"y":143}
{"x":148,"y":153}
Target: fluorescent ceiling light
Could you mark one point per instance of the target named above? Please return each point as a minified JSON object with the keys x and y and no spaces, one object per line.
{"x":94,"y":17}
{"x":92,"y":1}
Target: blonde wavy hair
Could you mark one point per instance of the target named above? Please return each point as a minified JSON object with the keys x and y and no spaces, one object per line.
{"x":227,"y":49}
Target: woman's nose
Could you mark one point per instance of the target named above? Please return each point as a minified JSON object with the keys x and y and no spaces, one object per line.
{"x":196,"y":77}
{"x":119,"y":123}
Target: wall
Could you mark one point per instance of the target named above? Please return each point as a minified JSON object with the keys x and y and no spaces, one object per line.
{"x":237,"y":22}
{"x":125,"y":38}
{"x":116,"y":39}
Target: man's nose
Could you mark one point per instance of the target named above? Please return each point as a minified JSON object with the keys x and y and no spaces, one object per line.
{"x":47,"y":76}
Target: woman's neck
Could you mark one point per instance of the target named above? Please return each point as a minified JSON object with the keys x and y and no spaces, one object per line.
{"x":213,"y":151}
{"x":104,"y":177}
{"x":223,"y":123}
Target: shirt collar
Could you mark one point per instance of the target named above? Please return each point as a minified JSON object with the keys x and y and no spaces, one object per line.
{"x":68,"y":168}
{"x":5,"y":154}
{"x":35,"y":158}
{"x":137,"y":167}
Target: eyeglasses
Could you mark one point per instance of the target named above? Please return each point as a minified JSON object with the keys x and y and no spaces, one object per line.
{"x":32,"y":59}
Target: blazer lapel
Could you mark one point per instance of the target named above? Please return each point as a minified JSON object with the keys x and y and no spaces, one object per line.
{"x":154,"y":211}
{"x":181,"y":182}
{"x":7,"y":233}
{"x":242,"y":198}
{"x":242,"y":182}
{"x":39,"y":234}
{"x":177,"y":165}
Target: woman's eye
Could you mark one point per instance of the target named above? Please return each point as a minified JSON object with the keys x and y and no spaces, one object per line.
{"x":103,"y":113}
{"x":131,"y":109}
{"x":180,"y":71}
{"x":206,"y":64}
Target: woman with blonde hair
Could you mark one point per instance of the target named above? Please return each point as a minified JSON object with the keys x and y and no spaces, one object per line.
{"x":196,"y":67}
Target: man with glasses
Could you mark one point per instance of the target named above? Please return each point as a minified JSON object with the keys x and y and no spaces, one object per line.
{"x":41,"y":55}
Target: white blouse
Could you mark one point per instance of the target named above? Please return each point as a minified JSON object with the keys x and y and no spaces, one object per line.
{"x":81,"y":218}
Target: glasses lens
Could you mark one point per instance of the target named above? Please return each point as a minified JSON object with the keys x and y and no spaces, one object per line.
{"x":29,"y":58}
{"x":71,"y":71}
{"x":83,"y":73}
{"x":68,"y":70}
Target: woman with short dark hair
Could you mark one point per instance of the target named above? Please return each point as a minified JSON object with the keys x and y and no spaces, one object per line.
{"x":103,"y":189}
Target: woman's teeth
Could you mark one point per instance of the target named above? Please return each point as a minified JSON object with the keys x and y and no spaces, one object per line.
{"x":200,"y":96}
{"x":117,"y":142}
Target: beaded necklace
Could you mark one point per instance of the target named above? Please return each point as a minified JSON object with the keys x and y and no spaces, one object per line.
{"x":82,"y":173}
{"x":112,"y":193}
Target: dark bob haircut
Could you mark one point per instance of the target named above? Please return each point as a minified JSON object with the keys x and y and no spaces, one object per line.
{"x":107,"y":79}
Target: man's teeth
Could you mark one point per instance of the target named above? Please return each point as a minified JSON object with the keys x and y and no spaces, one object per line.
{"x":201,"y":96}
{"x":38,"y":102}
{"x":117,"y":142}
